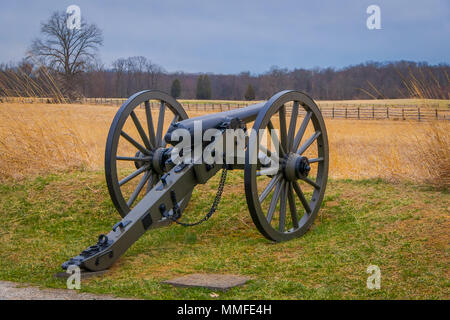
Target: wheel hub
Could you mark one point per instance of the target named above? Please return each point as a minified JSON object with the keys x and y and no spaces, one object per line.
{"x":296,"y":167}
{"x":139,"y":163}
{"x":157,"y":159}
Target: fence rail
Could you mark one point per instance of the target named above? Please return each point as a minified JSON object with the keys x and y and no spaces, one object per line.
{"x":362,"y":112}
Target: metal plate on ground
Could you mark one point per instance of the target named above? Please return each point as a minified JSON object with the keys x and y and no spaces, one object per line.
{"x":221,"y":282}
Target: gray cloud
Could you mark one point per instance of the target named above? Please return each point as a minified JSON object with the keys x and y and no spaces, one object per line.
{"x":233,"y":36}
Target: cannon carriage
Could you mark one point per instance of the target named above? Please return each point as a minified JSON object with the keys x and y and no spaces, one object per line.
{"x":275,"y":174}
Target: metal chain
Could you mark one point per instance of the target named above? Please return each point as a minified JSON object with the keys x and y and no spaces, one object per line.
{"x":213,"y":209}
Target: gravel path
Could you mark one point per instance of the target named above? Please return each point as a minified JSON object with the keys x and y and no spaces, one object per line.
{"x":16,"y":291}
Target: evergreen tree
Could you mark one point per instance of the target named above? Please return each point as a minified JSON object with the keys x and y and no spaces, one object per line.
{"x":199,"y":90}
{"x":175,"y":90}
{"x":206,"y":87}
{"x":249,"y":93}
{"x":203,"y":88}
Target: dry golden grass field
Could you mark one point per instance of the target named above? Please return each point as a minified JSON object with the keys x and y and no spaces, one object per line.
{"x":41,"y":138}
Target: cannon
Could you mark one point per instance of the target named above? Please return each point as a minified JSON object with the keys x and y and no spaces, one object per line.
{"x":278,"y":167}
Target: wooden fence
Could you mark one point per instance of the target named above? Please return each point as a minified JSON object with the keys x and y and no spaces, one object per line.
{"x":363,"y":112}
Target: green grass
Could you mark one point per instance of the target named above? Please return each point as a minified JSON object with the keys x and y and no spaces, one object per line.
{"x":402,"y":228}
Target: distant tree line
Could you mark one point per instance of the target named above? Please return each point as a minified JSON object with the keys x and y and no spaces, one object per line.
{"x":364,"y":81}
{"x":370,"y":80}
{"x":62,"y":63}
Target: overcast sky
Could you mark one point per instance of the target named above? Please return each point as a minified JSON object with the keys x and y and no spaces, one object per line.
{"x":229,"y":36}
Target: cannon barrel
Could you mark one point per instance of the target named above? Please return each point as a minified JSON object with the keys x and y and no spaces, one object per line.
{"x":246,"y":114}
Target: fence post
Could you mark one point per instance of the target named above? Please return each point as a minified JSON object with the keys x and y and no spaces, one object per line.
{"x":436,"y":111}
{"x":373,"y":112}
{"x":345,"y":112}
{"x":332,"y":115}
{"x":387,"y":112}
{"x":418,"y":113}
{"x":358,"y":114}
{"x":403,"y":113}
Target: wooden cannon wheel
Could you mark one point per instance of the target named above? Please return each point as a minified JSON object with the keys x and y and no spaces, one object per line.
{"x":136,"y":139}
{"x":298,"y":185}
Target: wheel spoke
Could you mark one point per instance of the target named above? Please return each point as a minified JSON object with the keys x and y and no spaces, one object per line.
{"x":269,"y":188}
{"x":155,"y":179}
{"x":283,"y":129}
{"x":309,"y":181}
{"x":132,"y":158}
{"x":274,"y":201}
{"x":141,"y":131}
{"x":301,"y":131}
{"x":315,"y":160}
{"x":151,"y":129}
{"x":283,"y":203}
{"x":292,"y":206}
{"x":273,"y":156}
{"x":134,"y":143}
{"x":175,"y":119}
{"x":133,"y":175}
{"x":160,"y":124}
{"x":292,"y":126}
{"x":150,"y":183}
{"x":274,"y":137}
{"x":267,"y":171}
{"x":301,"y":196}
{"x":138,"y":189}
{"x":308,"y":142}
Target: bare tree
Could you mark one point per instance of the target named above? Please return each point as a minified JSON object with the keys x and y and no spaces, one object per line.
{"x":119,"y":67}
{"x":154,"y":72}
{"x":65,"y":50}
